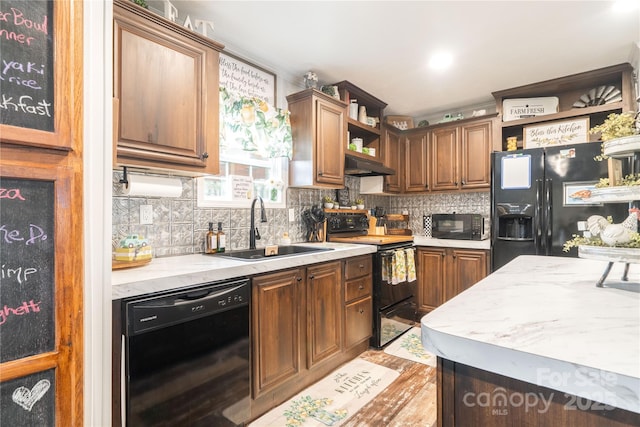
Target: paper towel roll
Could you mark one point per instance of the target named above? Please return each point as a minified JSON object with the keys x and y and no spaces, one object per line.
{"x":152,"y":186}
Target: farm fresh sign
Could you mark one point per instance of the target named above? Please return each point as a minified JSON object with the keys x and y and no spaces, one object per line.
{"x":557,"y":133}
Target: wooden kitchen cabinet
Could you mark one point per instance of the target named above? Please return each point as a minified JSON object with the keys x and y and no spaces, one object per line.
{"x":393,"y":153}
{"x":303,"y":327}
{"x":358,"y":308}
{"x":166,"y":94}
{"x":461,"y":156}
{"x":278,"y":328}
{"x":370,"y":135}
{"x":417,"y":166}
{"x":324,"y":307}
{"x":319,"y":139}
{"x":445,"y":272}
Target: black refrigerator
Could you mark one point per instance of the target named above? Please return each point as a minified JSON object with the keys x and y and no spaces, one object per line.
{"x":536,"y":199}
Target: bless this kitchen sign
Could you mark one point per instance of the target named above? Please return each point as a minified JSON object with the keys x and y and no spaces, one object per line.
{"x":557,"y":133}
{"x":247,"y":80}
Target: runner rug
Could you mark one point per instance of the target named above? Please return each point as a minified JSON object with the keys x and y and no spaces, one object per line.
{"x":409,"y":346}
{"x":332,"y":400}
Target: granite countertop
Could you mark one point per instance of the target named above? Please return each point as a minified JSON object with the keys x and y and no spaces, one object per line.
{"x":449,"y":243}
{"x":168,"y":273}
{"x":542,"y":320}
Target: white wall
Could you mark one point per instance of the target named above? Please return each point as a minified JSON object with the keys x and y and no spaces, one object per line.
{"x":97,"y":211}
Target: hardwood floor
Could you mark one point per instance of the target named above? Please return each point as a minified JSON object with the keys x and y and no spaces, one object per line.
{"x":410,"y":401}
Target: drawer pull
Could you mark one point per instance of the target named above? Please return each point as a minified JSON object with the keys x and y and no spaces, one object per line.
{"x":361,"y":287}
{"x":361,"y":266}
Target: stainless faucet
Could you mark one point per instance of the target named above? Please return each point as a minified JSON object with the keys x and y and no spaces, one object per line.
{"x":254,"y":234}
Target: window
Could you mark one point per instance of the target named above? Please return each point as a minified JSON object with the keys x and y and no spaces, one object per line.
{"x":255,"y":145}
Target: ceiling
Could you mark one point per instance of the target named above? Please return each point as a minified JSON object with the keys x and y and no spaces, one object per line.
{"x":384,"y":46}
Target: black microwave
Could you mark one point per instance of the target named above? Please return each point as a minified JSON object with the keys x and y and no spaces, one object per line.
{"x":459,"y":226}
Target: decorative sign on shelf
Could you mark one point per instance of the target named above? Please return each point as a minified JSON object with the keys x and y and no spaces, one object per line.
{"x":26,"y":75}
{"x":246,"y":79}
{"x":574,"y":131}
{"x":27,"y":268}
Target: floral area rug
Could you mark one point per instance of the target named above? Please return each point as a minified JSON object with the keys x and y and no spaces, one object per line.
{"x":409,"y":346}
{"x":332,"y":400}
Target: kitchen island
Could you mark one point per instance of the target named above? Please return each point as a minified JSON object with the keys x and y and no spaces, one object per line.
{"x":538,"y":341}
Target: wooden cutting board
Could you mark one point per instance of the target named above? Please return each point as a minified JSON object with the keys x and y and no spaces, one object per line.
{"x":372,"y":239}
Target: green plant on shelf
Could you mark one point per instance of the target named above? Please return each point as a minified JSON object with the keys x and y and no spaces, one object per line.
{"x":616,"y":126}
{"x":628,"y":181}
{"x":578,"y":240}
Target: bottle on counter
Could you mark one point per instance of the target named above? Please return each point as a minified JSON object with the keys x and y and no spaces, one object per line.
{"x":221,"y":239}
{"x":210,"y":241}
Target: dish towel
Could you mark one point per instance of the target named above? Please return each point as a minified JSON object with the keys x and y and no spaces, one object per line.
{"x":399,"y":267}
{"x":411,"y":264}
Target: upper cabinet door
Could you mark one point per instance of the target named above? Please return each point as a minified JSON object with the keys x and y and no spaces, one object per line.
{"x":444,"y":162}
{"x":330,"y":142}
{"x":475,"y":163}
{"x":392,"y":156}
{"x":165,"y":94}
{"x":416,"y":160}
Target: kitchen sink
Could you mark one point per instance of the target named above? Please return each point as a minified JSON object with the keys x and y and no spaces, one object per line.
{"x":259,"y":254}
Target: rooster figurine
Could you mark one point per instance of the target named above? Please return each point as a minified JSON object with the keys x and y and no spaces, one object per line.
{"x":614,"y":234}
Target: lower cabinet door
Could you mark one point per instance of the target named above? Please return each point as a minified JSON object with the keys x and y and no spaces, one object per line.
{"x":358,"y":321}
{"x":277,"y":328}
{"x":323,"y":307}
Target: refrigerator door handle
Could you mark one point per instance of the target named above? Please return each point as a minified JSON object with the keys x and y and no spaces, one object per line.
{"x":548,"y":212}
{"x":538,"y":221}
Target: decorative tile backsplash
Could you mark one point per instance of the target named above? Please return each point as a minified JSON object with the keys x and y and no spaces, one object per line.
{"x":179,"y":226}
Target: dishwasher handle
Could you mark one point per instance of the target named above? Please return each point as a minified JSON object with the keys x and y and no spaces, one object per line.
{"x":152,"y":313}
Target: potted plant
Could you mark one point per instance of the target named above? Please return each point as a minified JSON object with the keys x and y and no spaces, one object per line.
{"x":327,"y":202}
{"x":360,"y":203}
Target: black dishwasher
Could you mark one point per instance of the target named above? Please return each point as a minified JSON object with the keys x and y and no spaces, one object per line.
{"x":186,"y":356}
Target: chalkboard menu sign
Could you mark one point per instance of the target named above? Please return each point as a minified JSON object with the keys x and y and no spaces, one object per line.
{"x":26,"y":268}
{"x":28,"y":401}
{"x":26,"y":74}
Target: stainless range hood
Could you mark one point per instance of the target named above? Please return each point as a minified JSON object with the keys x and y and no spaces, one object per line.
{"x":357,"y":166}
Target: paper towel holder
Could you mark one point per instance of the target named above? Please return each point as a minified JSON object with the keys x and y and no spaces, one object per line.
{"x":124,"y":179}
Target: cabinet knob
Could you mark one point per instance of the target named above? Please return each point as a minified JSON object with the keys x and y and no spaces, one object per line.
{"x":205,"y":156}
{"x":464,"y":183}
{"x":443,"y":255}
{"x":361,"y":287}
{"x":299,"y":279}
{"x":311,"y":276}
{"x":426,"y":186}
{"x":361,"y":311}
{"x":361,"y":266}
{"x":454,"y":256}
{"x":455,"y":183}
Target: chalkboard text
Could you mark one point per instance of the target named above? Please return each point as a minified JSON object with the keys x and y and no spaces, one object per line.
{"x":26,"y":104}
{"x":21,"y":310}
{"x":10,"y":193}
{"x":36,"y":234}
{"x":16,"y":17}
{"x":19,"y":273}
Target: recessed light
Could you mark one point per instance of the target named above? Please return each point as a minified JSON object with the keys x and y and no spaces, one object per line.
{"x":440,"y":61}
{"x":625,"y":5}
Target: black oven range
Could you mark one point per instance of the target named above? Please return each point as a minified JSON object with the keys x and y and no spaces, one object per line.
{"x":394,"y":291}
